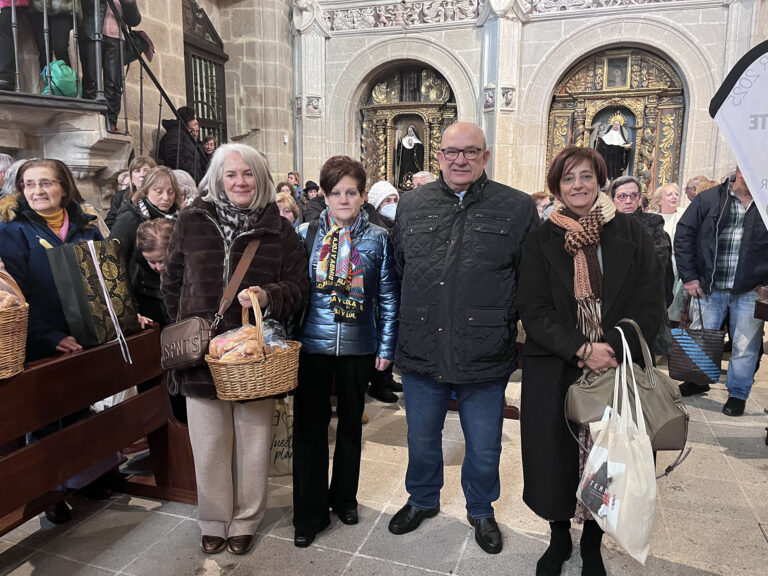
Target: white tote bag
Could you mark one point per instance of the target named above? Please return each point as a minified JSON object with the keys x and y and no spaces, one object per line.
{"x":619,"y":482}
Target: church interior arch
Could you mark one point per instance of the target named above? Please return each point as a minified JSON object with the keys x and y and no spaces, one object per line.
{"x":403,"y":112}
{"x":641,"y":90}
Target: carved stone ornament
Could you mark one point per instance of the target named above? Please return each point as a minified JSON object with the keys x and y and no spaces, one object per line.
{"x":507,"y":98}
{"x":313,"y":107}
{"x":434,"y":89}
{"x":399,"y":15}
{"x":545,"y":6}
{"x":489,"y":99}
{"x":304,"y":14}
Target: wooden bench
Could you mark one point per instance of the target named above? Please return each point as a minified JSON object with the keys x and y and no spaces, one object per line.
{"x":53,"y":388}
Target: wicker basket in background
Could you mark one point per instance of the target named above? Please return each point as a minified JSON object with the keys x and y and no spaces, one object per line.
{"x":251,"y":379}
{"x":13,"y":331}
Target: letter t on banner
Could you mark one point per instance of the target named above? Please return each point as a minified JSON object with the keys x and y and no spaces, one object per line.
{"x":740,"y":109}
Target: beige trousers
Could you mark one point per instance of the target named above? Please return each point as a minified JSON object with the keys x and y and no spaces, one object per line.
{"x":230,"y":443}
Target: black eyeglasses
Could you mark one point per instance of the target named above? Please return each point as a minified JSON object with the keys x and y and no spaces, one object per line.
{"x":470,"y":153}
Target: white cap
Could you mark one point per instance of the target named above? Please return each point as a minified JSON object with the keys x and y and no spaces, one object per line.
{"x":380,"y":191}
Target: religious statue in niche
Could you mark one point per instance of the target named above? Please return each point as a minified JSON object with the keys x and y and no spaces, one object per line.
{"x":612,"y":142}
{"x":409,"y":158}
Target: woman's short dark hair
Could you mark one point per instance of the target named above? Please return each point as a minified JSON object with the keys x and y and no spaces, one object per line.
{"x":61,"y":173}
{"x":620,"y":181}
{"x":567,"y":159}
{"x":336,"y":168}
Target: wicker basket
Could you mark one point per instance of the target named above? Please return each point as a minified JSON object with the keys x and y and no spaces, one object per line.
{"x":253,"y":379}
{"x":13,"y":331}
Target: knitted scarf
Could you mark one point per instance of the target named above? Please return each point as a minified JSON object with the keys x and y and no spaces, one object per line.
{"x":339,"y":271}
{"x":582,"y":236}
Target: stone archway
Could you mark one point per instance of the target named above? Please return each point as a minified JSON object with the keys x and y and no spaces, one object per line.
{"x":619,"y":84}
{"x":698,"y":73}
{"x":355,"y":82}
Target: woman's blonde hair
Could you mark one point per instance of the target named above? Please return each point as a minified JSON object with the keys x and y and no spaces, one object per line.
{"x":153,"y":178}
{"x":706,"y":185}
{"x":212,"y":186}
{"x":283,"y":198}
{"x":659,"y":193}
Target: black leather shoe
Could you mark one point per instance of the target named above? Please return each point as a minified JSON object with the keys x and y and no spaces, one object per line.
{"x":213,"y":544}
{"x":304,"y":539}
{"x":734,"y":407}
{"x":394,"y":385}
{"x":408,"y":518}
{"x":487,"y":534}
{"x":691,"y":388}
{"x":58,"y":513}
{"x":348,"y":517}
{"x":240,"y":544}
{"x":382,"y":394}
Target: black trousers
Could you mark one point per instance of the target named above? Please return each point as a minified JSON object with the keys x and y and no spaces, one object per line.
{"x":312,"y":496}
{"x":59,"y":27}
{"x":7,"y":62}
{"x":113,"y":75}
{"x":381,"y":379}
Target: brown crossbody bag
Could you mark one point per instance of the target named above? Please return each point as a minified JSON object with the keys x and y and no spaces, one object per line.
{"x":184,"y":344}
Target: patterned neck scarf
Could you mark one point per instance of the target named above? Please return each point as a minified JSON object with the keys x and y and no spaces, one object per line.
{"x":234,"y":221}
{"x":339,"y":271}
{"x":582,"y":236}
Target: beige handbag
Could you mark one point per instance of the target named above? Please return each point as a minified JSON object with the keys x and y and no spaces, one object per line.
{"x":665,"y":415}
{"x":184,"y":344}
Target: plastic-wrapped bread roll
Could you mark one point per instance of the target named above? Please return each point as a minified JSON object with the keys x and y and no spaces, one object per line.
{"x":247,"y":350}
{"x":8,"y":300}
{"x":229,"y":340}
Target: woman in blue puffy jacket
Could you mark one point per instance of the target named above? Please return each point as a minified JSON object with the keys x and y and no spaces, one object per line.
{"x":349,"y":326}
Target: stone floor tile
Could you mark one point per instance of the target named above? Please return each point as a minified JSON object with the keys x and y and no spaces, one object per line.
{"x":435,"y":545}
{"x":11,"y":557}
{"x":274,"y":556}
{"x":93,"y":541}
{"x":741,"y":439}
{"x":364,"y":566}
{"x":701,"y":433}
{"x":703,"y":462}
{"x":385,"y":445}
{"x":164,"y":507}
{"x":749,"y":468}
{"x":379,"y":481}
{"x":721,"y":544}
{"x":519,"y":555}
{"x":177,"y":553}
{"x":41,"y":564}
{"x":702,"y":495}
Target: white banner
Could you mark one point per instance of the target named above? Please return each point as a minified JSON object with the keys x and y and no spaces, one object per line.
{"x":740,"y":109}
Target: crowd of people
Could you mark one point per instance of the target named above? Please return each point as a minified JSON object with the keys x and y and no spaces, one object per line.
{"x":380,"y":278}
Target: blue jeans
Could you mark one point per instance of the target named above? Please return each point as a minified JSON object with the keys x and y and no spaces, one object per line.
{"x":746,"y":334}
{"x":481,"y":412}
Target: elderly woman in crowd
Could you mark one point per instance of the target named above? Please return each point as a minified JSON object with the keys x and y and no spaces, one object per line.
{"x":158,"y":197}
{"x":187,"y":186}
{"x":137,"y":170}
{"x":231,"y":440}
{"x":666,"y":202}
{"x":581,"y":271}
{"x":288,"y":208}
{"x":350,"y":326}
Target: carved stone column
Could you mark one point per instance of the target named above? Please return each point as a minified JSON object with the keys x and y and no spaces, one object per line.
{"x":382,"y":157}
{"x":646,"y":148}
{"x":435,"y":135}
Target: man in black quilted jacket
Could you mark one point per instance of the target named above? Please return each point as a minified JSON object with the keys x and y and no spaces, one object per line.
{"x":457,"y":248}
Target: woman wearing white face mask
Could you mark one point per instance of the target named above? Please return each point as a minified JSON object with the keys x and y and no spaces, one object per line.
{"x":384,"y":198}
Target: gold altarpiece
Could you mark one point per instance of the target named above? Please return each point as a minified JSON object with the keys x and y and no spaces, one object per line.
{"x":641,"y":87}
{"x":421,"y":98}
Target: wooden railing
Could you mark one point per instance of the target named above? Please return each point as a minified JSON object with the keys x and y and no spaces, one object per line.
{"x":31,"y":476}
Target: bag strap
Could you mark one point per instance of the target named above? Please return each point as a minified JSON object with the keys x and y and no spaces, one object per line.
{"x":647,"y":358}
{"x":237,"y":278}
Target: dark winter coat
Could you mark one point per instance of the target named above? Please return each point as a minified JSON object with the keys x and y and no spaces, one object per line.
{"x":199,"y":260}
{"x":458,"y":263}
{"x":145,"y":283}
{"x":179,"y":150}
{"x":696,"y":242}
{"x":129,"y":217}
{"x":24,"y":256}
{"x":131,"y":14}
{"x":314,"y":208}
{"x":375,"y":332}
{"x":633,"y":287}
{"x":114,"y":207}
